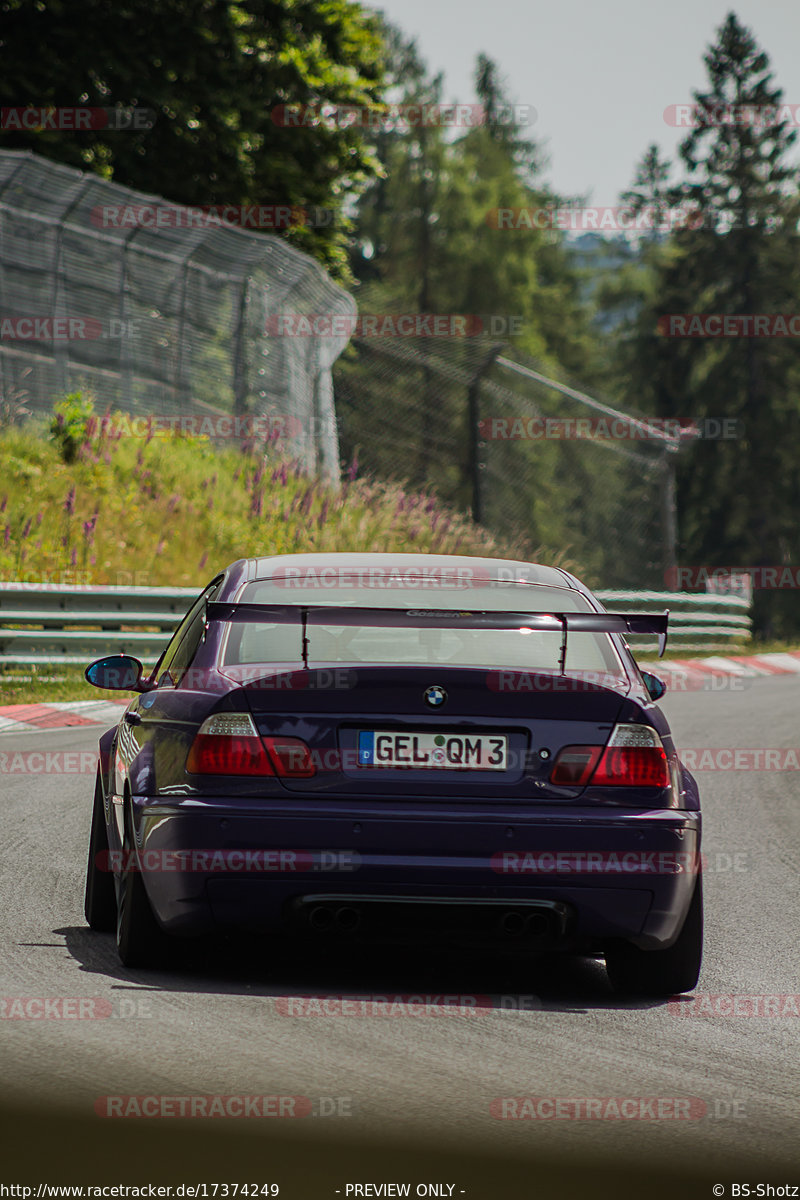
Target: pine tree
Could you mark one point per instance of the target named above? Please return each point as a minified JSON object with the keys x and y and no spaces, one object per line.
{"x":737,"y":499}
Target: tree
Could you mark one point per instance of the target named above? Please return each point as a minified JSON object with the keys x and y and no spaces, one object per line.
{"x":737,"y":499}
{"x":430,"y":238}
{"x":215,"y":74}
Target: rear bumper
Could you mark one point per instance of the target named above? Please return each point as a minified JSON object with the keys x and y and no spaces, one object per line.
{"x":221,"y":864}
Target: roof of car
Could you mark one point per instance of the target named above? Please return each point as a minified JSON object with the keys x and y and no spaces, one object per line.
{"x":432,"y":564}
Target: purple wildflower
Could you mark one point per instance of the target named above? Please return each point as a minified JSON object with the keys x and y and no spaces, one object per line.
{"x":69,"y":503}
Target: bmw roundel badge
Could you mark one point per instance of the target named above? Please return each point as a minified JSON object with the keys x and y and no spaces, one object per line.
{"x":435,"y":696}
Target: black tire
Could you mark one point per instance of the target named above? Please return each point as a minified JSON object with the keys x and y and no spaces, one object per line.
{"x":141,"y":942}
{"x":661,"y":972}
{"x":100,"y":901}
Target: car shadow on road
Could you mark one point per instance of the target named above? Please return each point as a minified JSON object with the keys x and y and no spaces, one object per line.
{"x":440,"y":975}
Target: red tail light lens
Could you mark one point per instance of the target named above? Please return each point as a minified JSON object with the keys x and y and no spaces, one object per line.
{"x":228,"y":744}
{"x":633,"y":757}
{"x":290,"y":757}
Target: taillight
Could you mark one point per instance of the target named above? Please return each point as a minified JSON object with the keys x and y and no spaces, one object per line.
{"x":291,"y":757}
{"x":575,"y":764}
{"x":229,"y":744}
{"x":633,"y":757}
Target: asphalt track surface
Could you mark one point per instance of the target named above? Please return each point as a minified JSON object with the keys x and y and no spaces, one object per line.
{"x":216,"y":1023}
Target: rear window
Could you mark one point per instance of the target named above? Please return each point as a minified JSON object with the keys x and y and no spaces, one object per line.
{"x":414,"y":645}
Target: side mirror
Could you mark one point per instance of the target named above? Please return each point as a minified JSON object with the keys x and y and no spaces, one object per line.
{"x":656,"y":688}
{"x":117,"y":672}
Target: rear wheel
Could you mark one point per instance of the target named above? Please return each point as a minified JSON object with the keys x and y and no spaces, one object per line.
{"x":100,"y":904}
{"x":661,"y":972}
{"x":141,"y":942}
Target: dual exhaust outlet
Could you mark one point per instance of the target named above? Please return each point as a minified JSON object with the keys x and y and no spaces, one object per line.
{"x":347,"y":919}
{"x":324,"y":919}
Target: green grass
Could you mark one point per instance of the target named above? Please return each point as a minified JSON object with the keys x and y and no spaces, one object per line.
{"x":171,"y":511}
{"x":24,"y":684}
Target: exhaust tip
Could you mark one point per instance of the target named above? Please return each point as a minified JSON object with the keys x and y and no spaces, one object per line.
{"x":320,"y":919}
{"x":348,"y":919}
{"x":512,"y":924}
{"x":538,"y":925}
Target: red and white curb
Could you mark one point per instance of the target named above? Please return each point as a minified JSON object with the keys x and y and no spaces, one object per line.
{"x":27,"y":718}
{"x":691,"y":673}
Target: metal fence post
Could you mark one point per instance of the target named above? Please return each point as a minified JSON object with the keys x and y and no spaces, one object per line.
{"x":473,"y":406}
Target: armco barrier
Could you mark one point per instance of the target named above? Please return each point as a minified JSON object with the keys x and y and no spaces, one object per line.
{"x":54,"y":623}
{"x":697,"y":620}
{"x":48,"y":623}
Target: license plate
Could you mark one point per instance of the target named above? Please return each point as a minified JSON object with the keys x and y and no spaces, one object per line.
{"x":452,"y":751}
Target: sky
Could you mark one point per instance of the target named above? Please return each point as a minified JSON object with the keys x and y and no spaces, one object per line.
{"x":599,"y":73}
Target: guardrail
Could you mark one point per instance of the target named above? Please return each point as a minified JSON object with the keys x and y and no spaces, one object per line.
{"x":69,"y":623}
{"x":698,"y":621}
{"x":51,"y":623}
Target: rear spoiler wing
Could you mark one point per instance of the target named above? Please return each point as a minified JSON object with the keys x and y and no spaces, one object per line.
{"x":436,"y":618}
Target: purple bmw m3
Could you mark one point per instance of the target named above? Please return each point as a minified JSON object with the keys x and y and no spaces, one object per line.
{"x":397,"y":749}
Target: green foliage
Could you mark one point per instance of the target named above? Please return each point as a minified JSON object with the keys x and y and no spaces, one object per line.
{"x":70,"y":424}
{"x":165,"y":509}
{"x":429,"y":239}
{"x":213,"y":73}
{"x":738,"y":499}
